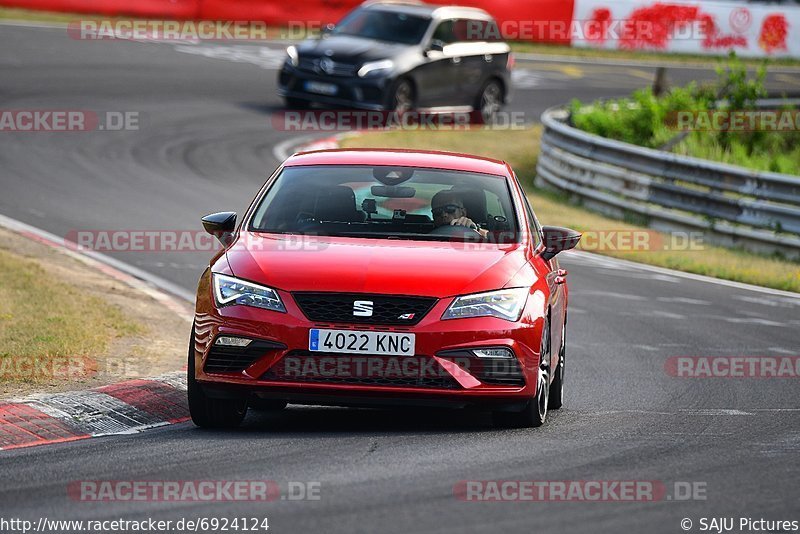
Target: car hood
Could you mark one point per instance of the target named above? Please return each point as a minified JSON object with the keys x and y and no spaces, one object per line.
{"x":349,"y":49}
{"x":357,"y":265}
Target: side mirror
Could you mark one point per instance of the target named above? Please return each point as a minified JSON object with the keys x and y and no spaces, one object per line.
{"x":558,"y":239}
{"x":435,"y":46}
{"x":221,"y":225}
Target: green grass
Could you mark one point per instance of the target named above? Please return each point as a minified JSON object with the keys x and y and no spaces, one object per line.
{"x":780,"y":152}
{"x":520,"y":148}
{"x":45,"y":319}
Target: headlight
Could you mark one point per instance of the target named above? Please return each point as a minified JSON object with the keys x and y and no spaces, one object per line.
{"x":504,"y":304}
{"x":229,"y":291}
{"x":375,"y":67}
{"x":294,"y":57}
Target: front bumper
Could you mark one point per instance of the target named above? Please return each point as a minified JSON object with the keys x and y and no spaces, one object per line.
{"x":443,"y":371}
{"x":355,"y":92}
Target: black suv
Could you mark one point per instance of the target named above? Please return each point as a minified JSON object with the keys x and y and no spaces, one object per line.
{"x":399,"y":56}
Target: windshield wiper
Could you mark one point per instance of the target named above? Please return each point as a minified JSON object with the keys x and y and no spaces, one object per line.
{"x":397,"y":235}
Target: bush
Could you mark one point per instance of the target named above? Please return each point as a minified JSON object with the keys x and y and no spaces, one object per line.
{"x":646,"y":120}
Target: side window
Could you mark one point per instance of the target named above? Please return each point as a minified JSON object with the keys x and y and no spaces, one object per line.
{"x":472,"y":30}
{"x":462,"y":30}
{"x":444,"y":32}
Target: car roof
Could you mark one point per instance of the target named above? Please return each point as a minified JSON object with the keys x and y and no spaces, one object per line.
{"x":419,"y":8}
{"x":401,"y":158}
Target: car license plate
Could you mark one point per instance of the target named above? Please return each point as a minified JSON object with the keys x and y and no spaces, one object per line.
{"x":356,"y":342}
{"x":321,"y":88}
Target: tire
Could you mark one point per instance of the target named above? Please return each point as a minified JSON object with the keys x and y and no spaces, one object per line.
{"x":402,"y":97}
{"x":557,"y":386}
{"x":267,"y":405}
{"x":534,"y":414}
{"x":489,"y":101}
{"x":207,"y":412}
{"x":297,"y":103}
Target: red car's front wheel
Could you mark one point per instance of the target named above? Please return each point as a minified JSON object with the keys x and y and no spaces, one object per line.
{"x":208,"y":412}
{"x":534,"y":413}
{"x":557,"y":386}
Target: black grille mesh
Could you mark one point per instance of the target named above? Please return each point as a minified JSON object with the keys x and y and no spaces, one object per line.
{"x":493,"y":371}
{"x":386,"y":309}
{"x":222,"y":359}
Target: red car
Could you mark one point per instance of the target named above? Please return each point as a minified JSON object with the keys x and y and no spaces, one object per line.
{"x":382,"y":277}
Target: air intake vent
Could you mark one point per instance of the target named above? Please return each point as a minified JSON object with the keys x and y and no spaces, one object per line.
{"x":222,"y":359}
{"x":490,"y":371}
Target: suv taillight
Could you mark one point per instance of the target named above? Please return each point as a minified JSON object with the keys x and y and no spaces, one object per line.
{"x":511,"y":61}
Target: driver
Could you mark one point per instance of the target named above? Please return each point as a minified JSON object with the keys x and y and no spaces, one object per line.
{"x":447,"y":207}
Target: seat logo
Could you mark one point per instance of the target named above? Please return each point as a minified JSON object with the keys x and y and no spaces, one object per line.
{"x":362,"y":308}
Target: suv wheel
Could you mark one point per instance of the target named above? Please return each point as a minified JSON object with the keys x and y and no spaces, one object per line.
{"x":489,"y":101}
{"x":401,"y":98}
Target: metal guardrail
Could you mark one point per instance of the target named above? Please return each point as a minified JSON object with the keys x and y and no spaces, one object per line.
{"x":733,"y":205}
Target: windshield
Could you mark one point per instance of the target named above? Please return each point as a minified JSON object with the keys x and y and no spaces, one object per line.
{"x":388,"y":203}
{"x":384,"y":26}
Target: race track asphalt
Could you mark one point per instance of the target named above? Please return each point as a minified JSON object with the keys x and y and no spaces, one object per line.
{"x":206,"y":144}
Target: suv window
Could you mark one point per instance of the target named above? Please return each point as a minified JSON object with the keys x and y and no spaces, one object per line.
{"x":477,"y":30}
{"x":444,"y":32}
{"x":466,"y":30}
{"x":390,"y":26}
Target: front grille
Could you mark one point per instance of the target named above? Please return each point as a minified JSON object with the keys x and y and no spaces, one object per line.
{"x":361,"y":370}
{"x":386,"y":309}
{"x":333,"y":68}
{"x":223,"y":359}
